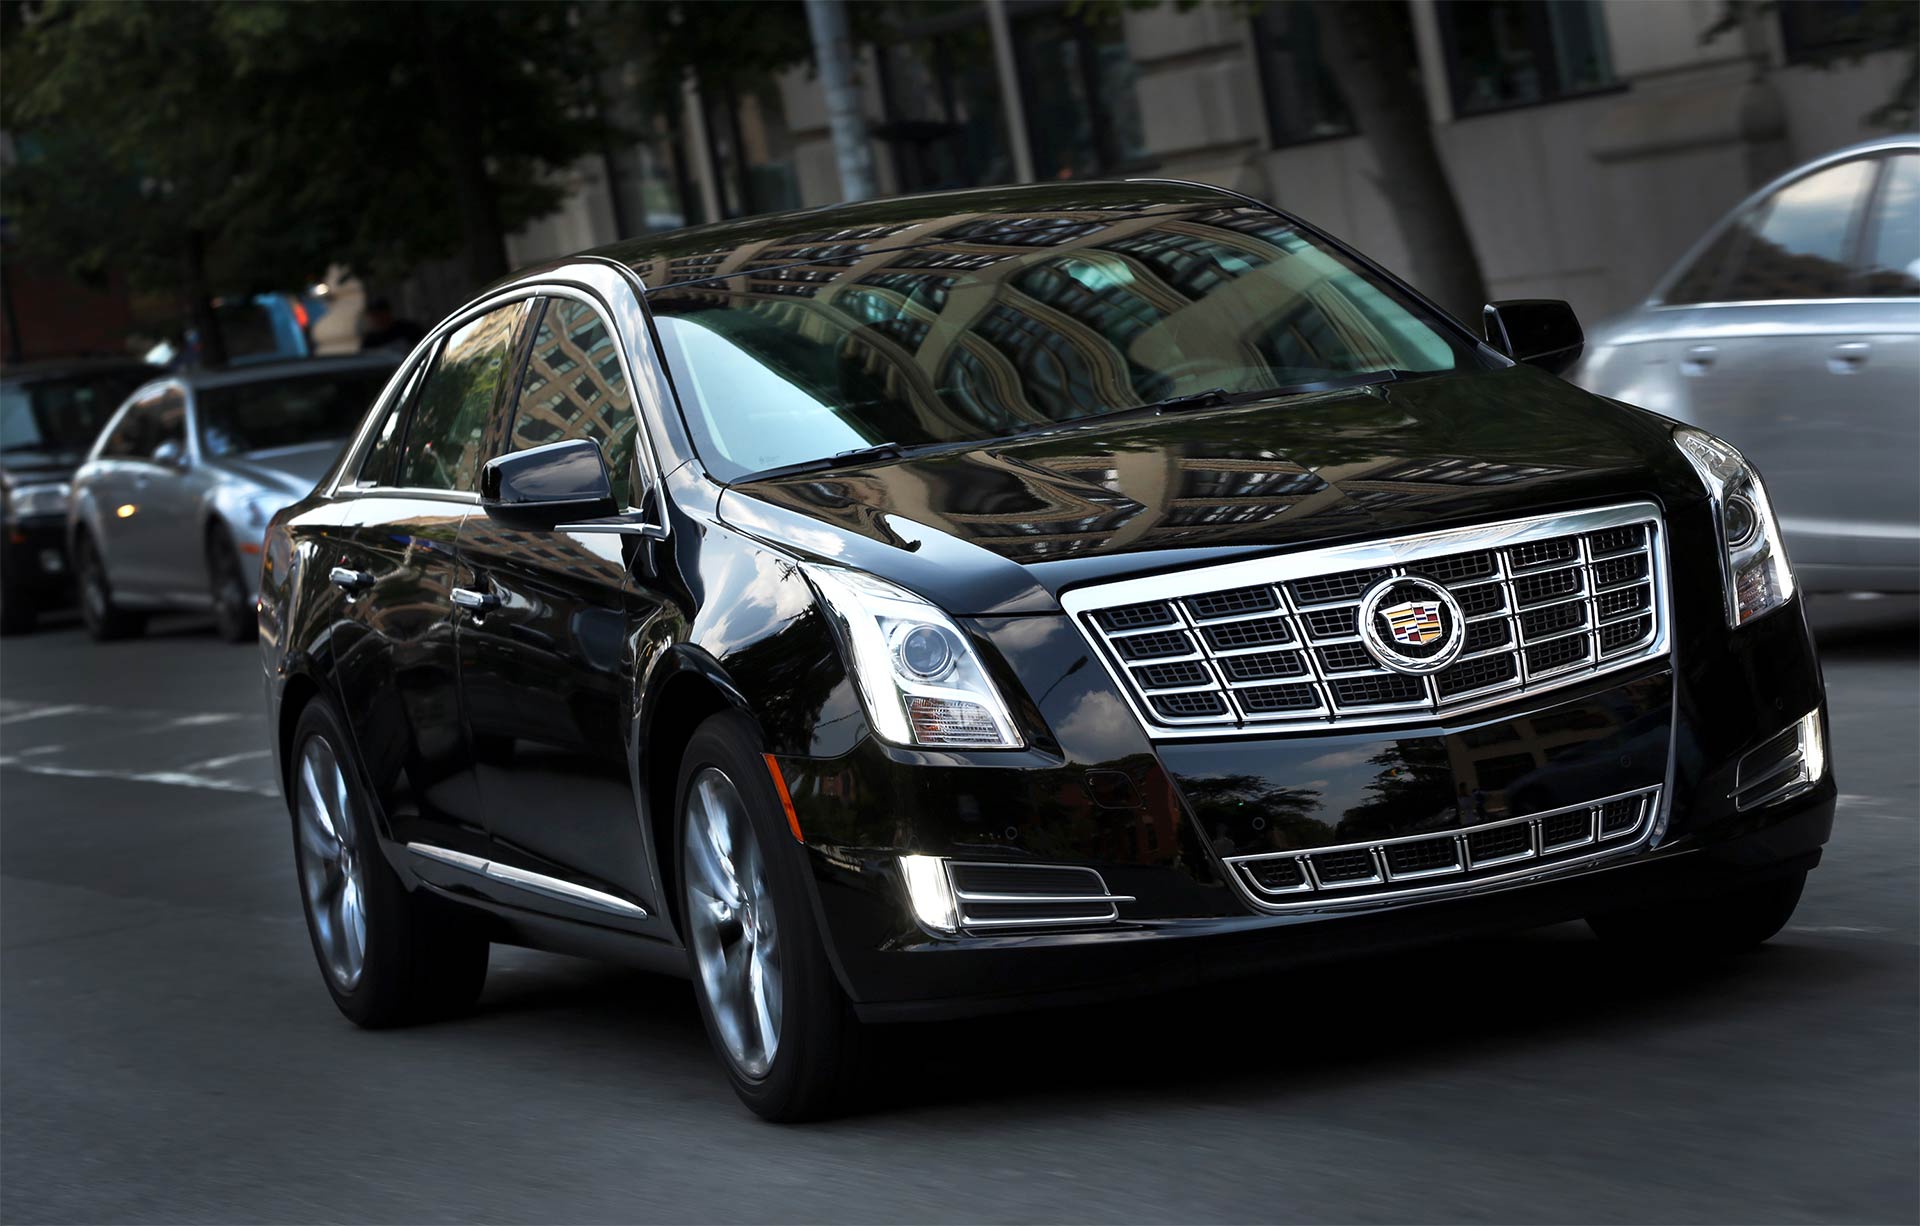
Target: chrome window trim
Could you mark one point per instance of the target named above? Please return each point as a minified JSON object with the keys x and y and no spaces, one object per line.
{"x":538,"y":883}
{"x":605,"y":284}
{"x":1596,"y":846}
{"x":1081,"y":603}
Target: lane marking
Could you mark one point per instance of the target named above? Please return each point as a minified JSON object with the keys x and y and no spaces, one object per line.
{"x":1819,"y":928}
{"x":221,"y":763}
{"x":182,"y":779}
{"x":20,"y":713}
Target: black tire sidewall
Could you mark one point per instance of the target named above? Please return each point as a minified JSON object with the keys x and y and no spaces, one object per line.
{"x":223,"y":562}
{"x":809,"y":1071}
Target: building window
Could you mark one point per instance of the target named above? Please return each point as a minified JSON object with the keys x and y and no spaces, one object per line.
{"x":945,"y":123}
{"x":752,"y":152}
{"x":1503,"y":53}
{"x":1303,"y":102}
{"x":1815,"y":31}
{"x":1076,"y":79}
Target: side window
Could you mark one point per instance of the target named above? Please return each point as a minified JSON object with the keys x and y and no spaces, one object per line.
{"x":383,"y":450}
{"x":1798,"y":239}
{"x":132,"y":436}
{"x":1701,"y":281}
{"x":443,"y":441}
{"x":574,"y":388}
{"x":170,"y":422}
{"x":1891,"y":267}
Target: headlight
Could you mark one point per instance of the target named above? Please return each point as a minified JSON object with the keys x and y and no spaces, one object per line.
{"x":917,"y":673}
{"x":1758,"y":576}
{"x":47,"y":499}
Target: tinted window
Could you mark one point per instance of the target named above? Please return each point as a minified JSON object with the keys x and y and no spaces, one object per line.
{"x":1892,"y":263}
{"x":62,"y":414}
{"x":1004,"y":324}
{"x":383,"y":450}
{"x":1796,"y":241}
{"x":445,"y":436}
{"x":1702,"y":279}
{"x":133,"y":434}
{"x":247,"y":417}
{"x":574,"y":389}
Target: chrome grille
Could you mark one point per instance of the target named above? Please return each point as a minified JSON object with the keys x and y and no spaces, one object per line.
{"x":1547,"y":601}
{"x":1446,"y":860}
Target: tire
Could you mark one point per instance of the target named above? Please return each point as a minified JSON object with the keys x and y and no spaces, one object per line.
{"x":105,"y":620}
{"x":234,"y":617}
{"x":387,"y":956}
{"x":17,"y":611}
{"x":765,"y":934}
{"x":1706,"y":927}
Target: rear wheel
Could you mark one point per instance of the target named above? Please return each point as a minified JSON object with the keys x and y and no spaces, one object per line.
{"x":388,"y":957}
{"x":1705,"y":927}
{"x":769,"y":998}
{"x":234,"y":618}
{"x":105,"y":620}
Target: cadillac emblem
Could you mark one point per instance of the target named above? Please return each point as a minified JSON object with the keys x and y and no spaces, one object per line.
{"x":1411,"y":625}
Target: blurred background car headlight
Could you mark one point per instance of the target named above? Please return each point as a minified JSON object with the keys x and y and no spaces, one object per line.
{"x":918,"y":674}
{"x":48,"y":498}
{"x":1759,"y":578}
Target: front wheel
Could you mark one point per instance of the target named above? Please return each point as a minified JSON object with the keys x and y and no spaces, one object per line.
{"x":769,"y":998}
{"x":234,"y":617}
{"x":105,"y":620}
{"x":1705,"y":927}
{"x":388,"y":957}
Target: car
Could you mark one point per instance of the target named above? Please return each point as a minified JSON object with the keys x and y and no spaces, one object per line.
{"x":171,"y":504}
{"x":1792,"y":329}
{"x":931,"y":607}
{"x":49,"y":412}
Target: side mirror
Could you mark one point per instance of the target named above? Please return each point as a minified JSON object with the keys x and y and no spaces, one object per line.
{"x":542,"y":487}
{"x":171,"y":453}
{"x":1538,"y":331}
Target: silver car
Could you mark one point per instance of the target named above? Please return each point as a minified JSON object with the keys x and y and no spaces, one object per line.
{"x":170,"y":506}
{"x":1792,"y":330}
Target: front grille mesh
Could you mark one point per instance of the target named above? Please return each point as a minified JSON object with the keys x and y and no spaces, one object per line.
{"x":1540,"y":610}
{"x":1319,"y":876}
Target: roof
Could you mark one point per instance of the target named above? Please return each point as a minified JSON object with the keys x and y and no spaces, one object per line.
{"x":61,"y":368}
{"x":292,"y":368}
{"x":869,"y":226}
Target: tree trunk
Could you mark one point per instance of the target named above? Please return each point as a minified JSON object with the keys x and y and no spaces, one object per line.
{"x":833,"y":52}
{"x":1370,"y":51}
{"x":206,"y":321}
{"x":484,"y":242}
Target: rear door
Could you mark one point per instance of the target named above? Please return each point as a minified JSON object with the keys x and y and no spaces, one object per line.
{"x":393,"y":557}
{"x":547,"y":667}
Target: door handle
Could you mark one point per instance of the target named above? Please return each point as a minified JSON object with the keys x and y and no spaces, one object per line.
{"x":1698,"y":360}
{"x":1848,"y":356}
{"x":349,"y":580}
{"x":475,"y":602}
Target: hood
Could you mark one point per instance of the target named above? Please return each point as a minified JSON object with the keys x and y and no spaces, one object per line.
{"x":293,"y":469}
{"x":1005,"y":526}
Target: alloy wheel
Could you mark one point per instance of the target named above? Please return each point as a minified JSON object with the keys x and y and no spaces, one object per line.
{"x":229,"y":591}
{"x":93,"y":586}
{"x":731,"y":922}
{"x":332,"y":880}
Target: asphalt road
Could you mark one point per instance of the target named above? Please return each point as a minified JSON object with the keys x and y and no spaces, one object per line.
{"x":167,"y":1051}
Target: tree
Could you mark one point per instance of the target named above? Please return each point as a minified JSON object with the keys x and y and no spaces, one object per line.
{"x":1853,"y":31}
{"x":241,"y":146}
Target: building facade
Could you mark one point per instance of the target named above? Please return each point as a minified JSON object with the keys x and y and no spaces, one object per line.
{"x":1590,"y":142}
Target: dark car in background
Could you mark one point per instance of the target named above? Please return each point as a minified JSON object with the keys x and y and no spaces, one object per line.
{"x":929,"y":607}
{"x":50,"y":413}
{"x":170,"y":507}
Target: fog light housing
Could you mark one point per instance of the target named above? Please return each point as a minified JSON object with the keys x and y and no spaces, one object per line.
{"x":930,"y":892}
{"x":1786,"y":765}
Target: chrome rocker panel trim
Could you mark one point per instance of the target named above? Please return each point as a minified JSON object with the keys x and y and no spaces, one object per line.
{"x":521,"y":879}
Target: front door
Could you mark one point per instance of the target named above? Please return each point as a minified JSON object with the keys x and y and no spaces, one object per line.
{"x":547,"y":661}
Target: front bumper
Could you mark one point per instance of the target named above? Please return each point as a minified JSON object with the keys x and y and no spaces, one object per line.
{"x":1163,"y":823}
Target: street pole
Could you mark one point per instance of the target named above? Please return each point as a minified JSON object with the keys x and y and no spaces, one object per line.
{"x":833,"y":52}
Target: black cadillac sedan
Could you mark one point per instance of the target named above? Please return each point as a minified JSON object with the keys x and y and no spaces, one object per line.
{"x":970,"y":602}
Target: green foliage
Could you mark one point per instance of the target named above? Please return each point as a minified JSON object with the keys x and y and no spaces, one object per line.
{"x":287,"y":136}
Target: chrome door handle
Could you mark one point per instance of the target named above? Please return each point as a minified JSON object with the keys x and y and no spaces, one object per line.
{"x":349,"y":580}
{"x":475,"y":602}
{"x":1698,"y":360}
{"x":1848,"y":357}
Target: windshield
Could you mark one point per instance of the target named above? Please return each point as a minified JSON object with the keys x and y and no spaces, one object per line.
{"x":65,"y":414}
{"x":1001,"y":325}
{"x":248,"y":417}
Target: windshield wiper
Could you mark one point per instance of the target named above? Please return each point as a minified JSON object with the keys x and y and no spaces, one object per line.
{"x":840,"y":459}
